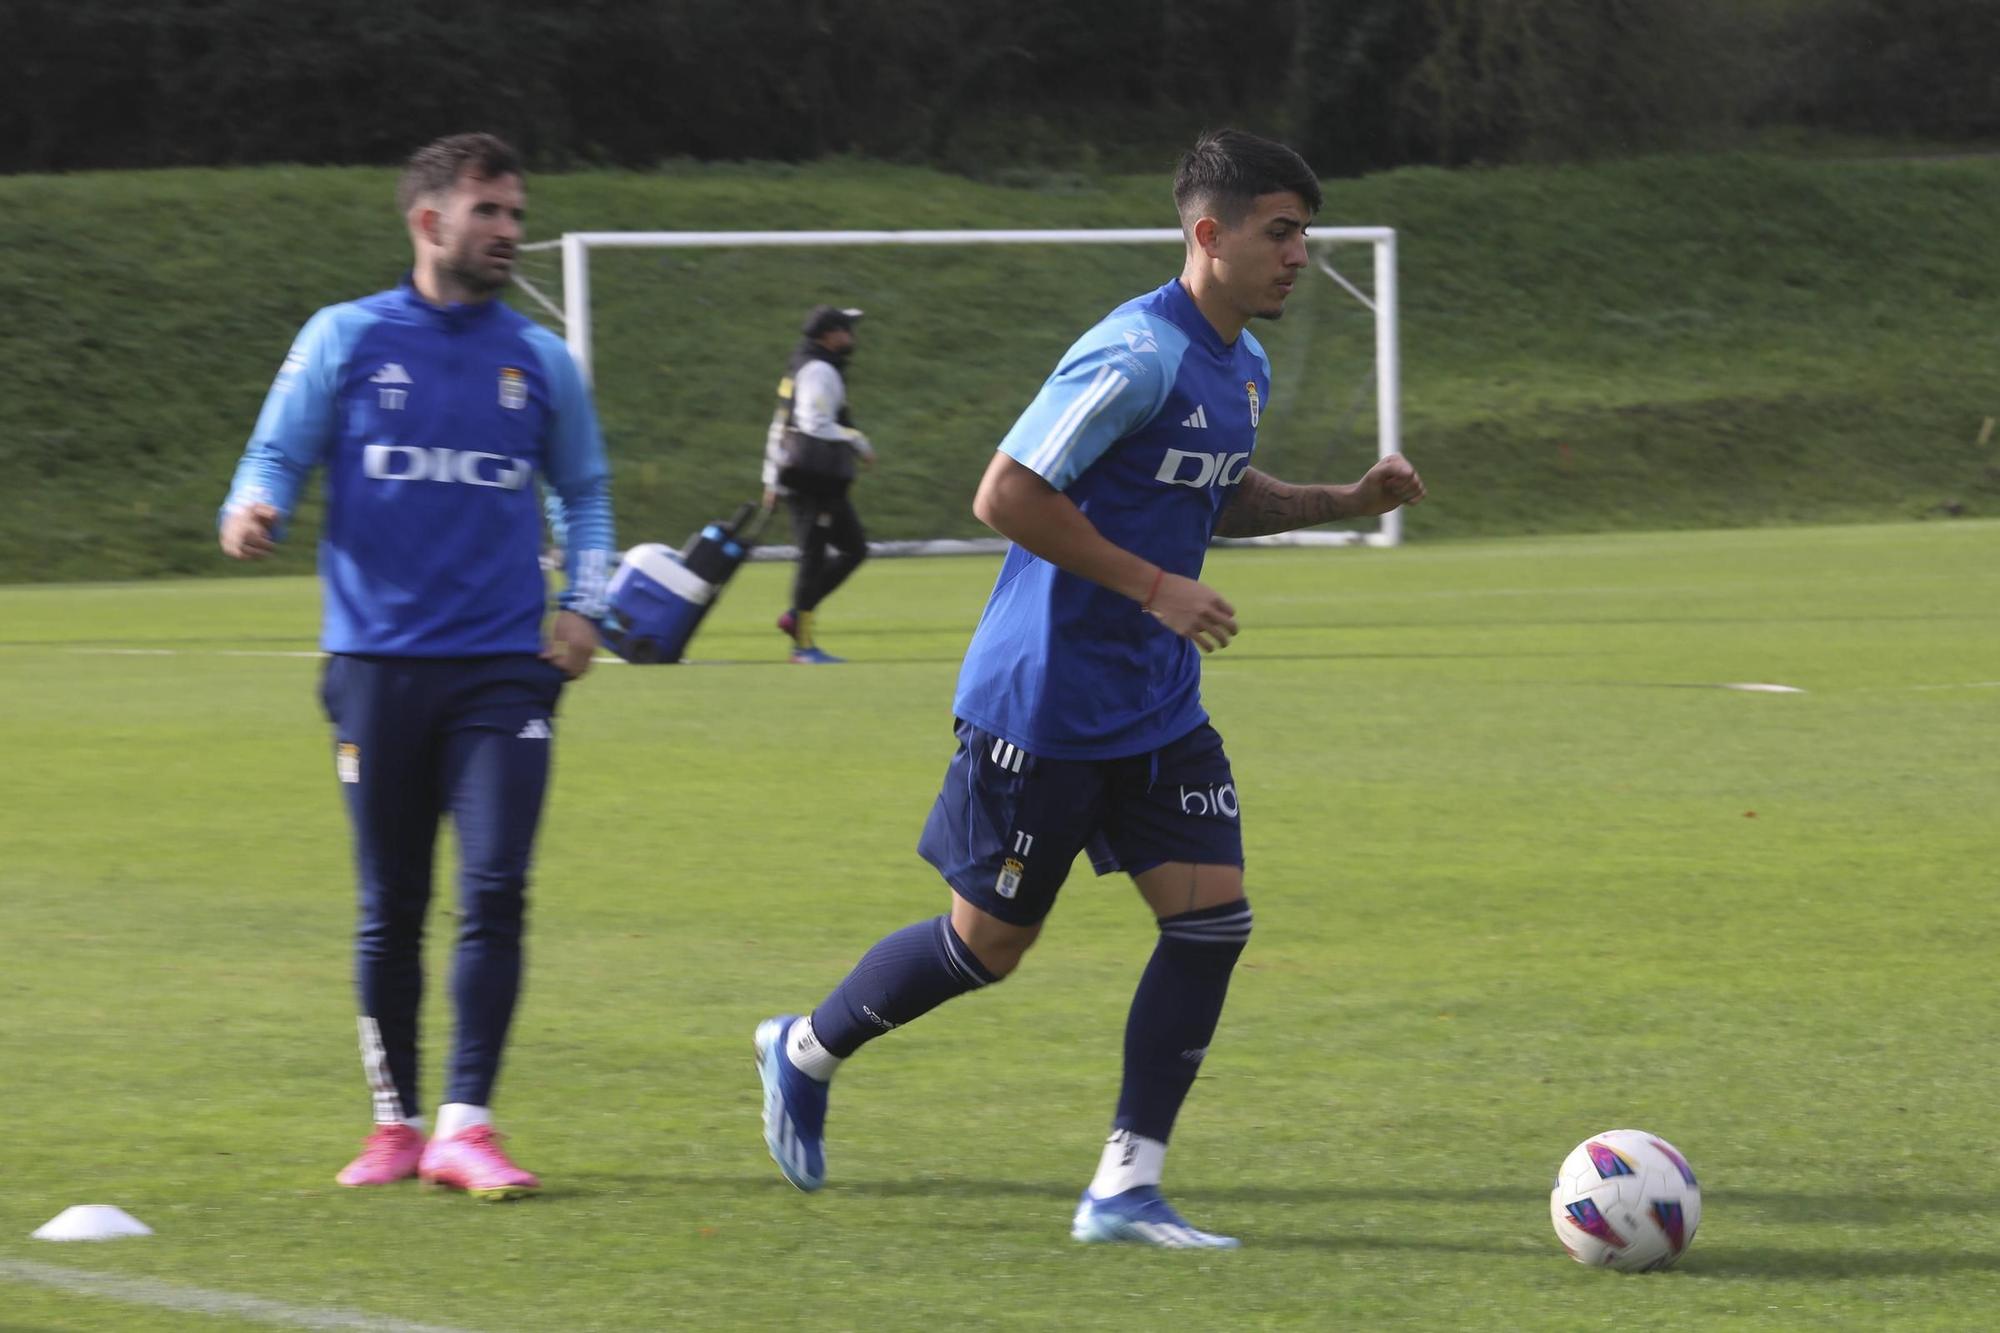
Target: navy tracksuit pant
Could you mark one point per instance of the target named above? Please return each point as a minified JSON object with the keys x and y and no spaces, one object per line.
{"x":416,"y":739}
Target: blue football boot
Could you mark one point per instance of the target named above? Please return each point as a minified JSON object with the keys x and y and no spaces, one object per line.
{"x":794,"y":1108}
{"x":1141,"y":1217}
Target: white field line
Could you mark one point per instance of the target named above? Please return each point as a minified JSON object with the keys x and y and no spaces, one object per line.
{"x":199,"y":1300}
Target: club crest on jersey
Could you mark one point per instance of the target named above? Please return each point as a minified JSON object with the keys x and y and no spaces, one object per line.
{"x":1250,"y":387}
{"x":1009,"y":882}
{"x":513,"y":389}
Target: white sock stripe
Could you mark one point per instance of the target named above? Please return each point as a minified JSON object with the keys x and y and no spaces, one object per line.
{"x":959,"y":966}
{"x":1239,"y":921}
{"x":1229,"y":931}
{"x":959,"y":956}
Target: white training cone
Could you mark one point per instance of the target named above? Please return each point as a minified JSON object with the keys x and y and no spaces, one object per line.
{"x":92,"y":1221}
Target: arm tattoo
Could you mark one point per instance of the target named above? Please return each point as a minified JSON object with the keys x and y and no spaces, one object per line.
{"x":1263,"y":504}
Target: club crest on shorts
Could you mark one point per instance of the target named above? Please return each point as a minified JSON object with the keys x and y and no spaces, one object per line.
{"x":1009,"y":882}
{"x":513,"y":389}
{"x":1256,"y":408}
{"x":347,"y":762}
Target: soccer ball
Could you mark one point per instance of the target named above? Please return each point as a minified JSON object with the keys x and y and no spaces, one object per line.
{"x":1625,"y":1199}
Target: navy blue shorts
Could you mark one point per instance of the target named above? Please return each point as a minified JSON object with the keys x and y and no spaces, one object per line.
{"x":1008,"y":824}
{"x":418,"y":738}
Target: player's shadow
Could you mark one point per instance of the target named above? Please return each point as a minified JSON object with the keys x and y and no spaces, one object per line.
{"x":1628,"y":622}
{"x":957,"y":655}
{"x":1349,"y":655}
{"x":218,"y":642}
{"x":1883,"y":1209}
{"x":1723,"y":1259}
{"x":951,"y":659}
{"x":1334,"y":1195}
{"x":979,"y":1187}
{"x":1814,"y":1264}
{"x":1716,"y":1259}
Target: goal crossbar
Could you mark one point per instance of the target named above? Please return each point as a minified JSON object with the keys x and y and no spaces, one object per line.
{"x":574,"y":310}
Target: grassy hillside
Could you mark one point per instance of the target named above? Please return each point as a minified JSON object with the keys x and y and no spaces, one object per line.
{"x":1662,"y":343}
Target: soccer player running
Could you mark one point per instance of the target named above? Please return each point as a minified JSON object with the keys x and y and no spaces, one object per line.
{"x":434,"y":408}
{"x":1080,"y":724}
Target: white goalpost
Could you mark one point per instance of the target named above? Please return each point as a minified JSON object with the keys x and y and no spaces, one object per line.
{"x":572,"y":310}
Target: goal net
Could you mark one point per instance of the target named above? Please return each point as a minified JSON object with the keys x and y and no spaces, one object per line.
{"x":684,"y":336}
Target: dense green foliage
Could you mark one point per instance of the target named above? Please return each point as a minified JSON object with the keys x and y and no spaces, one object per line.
{"x":1667,"y":342}
{"x":1518,"y":878}
{"x":973,"y":85}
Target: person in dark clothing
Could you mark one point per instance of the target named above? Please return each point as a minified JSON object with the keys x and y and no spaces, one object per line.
{"x":809,"y":461}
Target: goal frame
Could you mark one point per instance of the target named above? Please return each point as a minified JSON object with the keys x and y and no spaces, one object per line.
{"x":575,"y":314}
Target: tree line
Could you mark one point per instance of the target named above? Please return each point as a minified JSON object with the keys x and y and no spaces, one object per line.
{"x":976,"y":86}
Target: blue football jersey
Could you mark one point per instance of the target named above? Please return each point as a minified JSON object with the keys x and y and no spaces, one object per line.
{"x":1147,"y":425}
{"x":436,"y":426}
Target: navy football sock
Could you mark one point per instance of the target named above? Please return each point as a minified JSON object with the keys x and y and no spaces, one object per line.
{"x":1174,"y":1013}
{"x":905,"y":976}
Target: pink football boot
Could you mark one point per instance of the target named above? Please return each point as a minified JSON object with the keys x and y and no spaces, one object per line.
{"x":471,"y":1160}
{"x":390,"y":1154}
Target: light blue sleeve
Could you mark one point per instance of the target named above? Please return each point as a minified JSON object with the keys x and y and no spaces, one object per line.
{"x":300,"y":414}
{"x":578,"y":502}
{"x":1112,"y":382}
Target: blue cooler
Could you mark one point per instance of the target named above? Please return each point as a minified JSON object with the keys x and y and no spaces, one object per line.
{"x":659,"y":595}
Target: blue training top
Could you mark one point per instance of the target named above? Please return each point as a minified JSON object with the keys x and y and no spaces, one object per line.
{"x":1147,"y":425}
{"x":433,"y":423}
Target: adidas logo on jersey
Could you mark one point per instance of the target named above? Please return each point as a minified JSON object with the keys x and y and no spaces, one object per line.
{"x":393,"y":373}
{"x":1199,"y":421}
{"x":536,"y":729}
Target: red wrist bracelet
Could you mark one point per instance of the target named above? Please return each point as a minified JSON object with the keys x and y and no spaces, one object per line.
{"x":1158,"y":574}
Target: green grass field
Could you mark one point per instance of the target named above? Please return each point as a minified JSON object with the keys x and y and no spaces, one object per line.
{"x":1520,"y":875}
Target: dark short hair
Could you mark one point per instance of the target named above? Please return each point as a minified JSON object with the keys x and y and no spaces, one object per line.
{"x":437,"y":166}
{"x":1226,"y":170}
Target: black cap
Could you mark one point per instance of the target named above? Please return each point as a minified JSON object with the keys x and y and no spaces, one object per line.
{"x":827,"y":318}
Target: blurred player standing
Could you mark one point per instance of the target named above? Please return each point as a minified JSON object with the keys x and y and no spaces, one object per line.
{"x":1079,"y":717}
{"x":434,"y":410}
